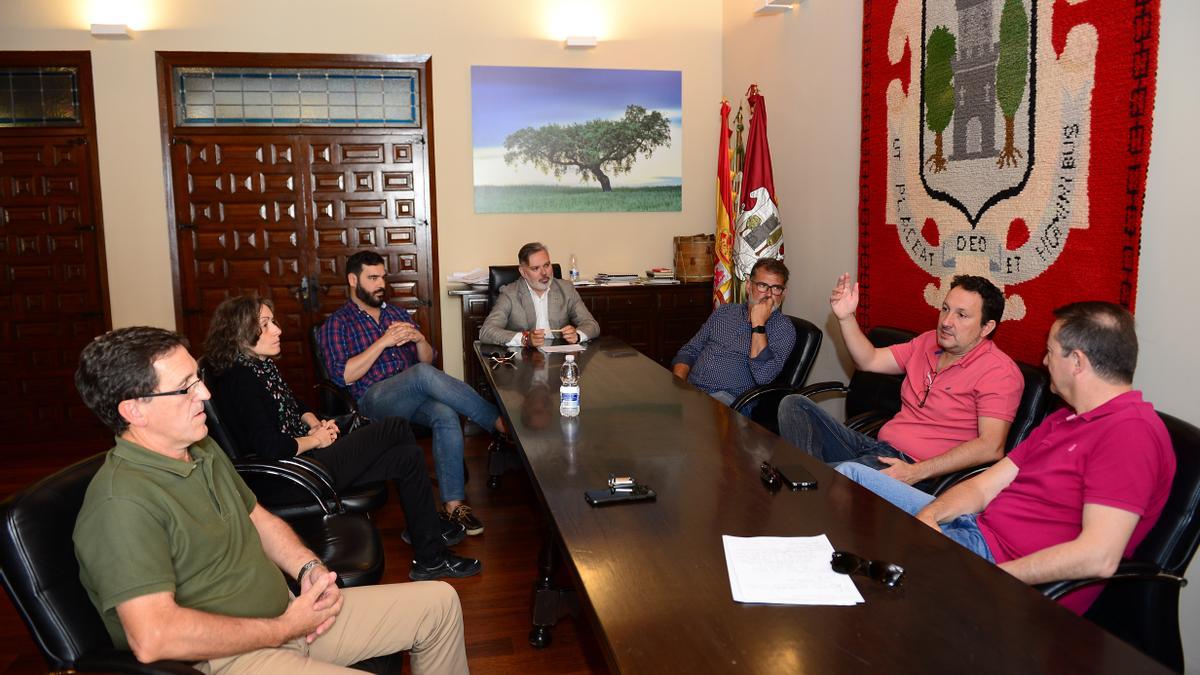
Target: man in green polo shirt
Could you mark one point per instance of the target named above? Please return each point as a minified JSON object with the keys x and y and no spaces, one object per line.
{"x":181,"y":561}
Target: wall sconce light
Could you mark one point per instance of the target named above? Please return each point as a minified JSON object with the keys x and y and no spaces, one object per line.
{"x":111,"y":31}
{"x":775,"y":6}
{"x":581,"y":41}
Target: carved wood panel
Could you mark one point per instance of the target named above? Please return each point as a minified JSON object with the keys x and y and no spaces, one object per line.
{"x":50,"y":283}
{"x":369,"y":193}
{"x":241,"y":228}
{"x":270,"y":213}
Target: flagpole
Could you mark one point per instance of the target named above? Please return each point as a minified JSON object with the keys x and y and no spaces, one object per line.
{"x":758,"y":232}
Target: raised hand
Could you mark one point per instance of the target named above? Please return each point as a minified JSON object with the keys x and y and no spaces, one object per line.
{"x":844,"y":298}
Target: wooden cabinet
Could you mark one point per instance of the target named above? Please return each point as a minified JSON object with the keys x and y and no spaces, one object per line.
{"x":655,"y":320}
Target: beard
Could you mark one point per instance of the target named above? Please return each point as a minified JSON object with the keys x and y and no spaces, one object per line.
{"x":369,"y":299}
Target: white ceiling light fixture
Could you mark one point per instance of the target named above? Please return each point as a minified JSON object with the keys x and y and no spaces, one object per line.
{"x":111,"y":31}
{"x":775,"y":6}
{"x":581,"y":41}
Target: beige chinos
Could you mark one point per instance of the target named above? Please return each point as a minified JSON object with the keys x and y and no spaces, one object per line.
{"x":423,"y":616}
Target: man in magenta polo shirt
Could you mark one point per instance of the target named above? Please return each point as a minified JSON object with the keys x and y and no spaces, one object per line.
{"x":1086,"y":486}
{"x":958,"y":398}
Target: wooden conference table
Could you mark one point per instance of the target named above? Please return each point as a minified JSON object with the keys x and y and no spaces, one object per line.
{"x":652,"y":577}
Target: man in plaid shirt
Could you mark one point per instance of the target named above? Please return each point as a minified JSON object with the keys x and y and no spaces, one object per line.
{"x":379,"y":352}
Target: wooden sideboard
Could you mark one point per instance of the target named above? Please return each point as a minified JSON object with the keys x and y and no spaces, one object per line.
{"x":655,"y":320}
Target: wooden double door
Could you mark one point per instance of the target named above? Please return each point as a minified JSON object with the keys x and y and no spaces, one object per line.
{"x":278,"y":214}
{"x":53,"y":297}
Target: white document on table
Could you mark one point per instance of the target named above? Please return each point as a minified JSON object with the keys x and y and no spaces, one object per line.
{"x":786,"y":571}
{"x":562,"y":349}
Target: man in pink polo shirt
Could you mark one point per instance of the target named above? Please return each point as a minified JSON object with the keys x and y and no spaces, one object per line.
{"x":958,"y":398}
{"x":1086,"y":486}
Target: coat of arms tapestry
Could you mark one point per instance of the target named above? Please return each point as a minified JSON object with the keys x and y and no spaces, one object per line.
{"x":1007,"y":139}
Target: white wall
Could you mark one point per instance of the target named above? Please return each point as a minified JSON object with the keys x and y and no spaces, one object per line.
{"x":1168,"y":325}
{"x":807,"y":63}
{"x":458,"y":34}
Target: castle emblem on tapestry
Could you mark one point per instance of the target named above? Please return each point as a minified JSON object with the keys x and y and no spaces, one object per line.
{"x":982,"y":121}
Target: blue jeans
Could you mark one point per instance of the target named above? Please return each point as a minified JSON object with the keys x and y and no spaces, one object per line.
{"x":426,"y":395}
{"x":962,"y":529}
{"x":805,"y":425}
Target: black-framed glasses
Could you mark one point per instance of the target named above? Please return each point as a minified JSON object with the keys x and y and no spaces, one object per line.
{"x":886,"y":573}
{"x":178,"y":392}
{"x":770,"y":476}
{"x":775,"y":289}
{"x":929,"y":378}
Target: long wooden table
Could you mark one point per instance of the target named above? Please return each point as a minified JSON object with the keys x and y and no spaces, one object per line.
{"x":652,"y":576}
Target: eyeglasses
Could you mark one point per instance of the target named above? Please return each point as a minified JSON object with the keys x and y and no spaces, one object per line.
{"x":770,"y":476}
{"x":774,"y":288}
{"x":178,"y":392}
{"x":889,"y":574}
{"x":929,"y":377}
{"x":499,"y":359}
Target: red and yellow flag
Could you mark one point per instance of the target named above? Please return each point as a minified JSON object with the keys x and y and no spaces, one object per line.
{"x":758,"y":229}
{"x":723,"y":269}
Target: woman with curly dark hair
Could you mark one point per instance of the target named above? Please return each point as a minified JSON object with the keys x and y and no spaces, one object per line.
{"x":262,"y":414}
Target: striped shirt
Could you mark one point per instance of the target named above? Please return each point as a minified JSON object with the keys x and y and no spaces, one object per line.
{"x":350,"y":331}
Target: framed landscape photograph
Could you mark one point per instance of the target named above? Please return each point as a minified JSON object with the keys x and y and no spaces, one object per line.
{"x":553,"y":140}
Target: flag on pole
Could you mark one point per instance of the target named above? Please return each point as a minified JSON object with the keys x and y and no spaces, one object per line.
{"x":723,"y":269}
{"x":759,"y":232}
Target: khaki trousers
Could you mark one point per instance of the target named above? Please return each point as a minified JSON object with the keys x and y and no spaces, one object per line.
{"x":422,"y":616}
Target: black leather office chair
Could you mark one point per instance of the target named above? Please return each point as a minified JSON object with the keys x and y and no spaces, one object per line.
{"x":1140,"y":603}
{"x":871,"y":398}
{"x":1030,"y":412}
{"x":336,"y":402}
{"x":41,"y":575}
{"x":765,"y":398}
{"x":500,"y":276}
{"x":286,"y":499}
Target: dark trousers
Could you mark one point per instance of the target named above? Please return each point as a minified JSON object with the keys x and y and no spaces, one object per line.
{"x":387,"y":450}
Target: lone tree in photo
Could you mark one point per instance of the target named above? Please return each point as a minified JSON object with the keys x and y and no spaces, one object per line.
{"x":939,"y":90}
{"x":1012,"y":69}
{"x":592,"y":149}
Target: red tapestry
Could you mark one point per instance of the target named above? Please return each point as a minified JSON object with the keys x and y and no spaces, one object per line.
{"x":1007,"y":139}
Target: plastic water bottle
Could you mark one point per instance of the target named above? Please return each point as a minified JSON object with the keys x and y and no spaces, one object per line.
{"x":574,"y":270}
{"x":568,"y":393}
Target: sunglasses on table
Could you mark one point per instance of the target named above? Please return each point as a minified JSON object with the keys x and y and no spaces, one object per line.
{"x":770,"y":476}
{"x":888,"y":574}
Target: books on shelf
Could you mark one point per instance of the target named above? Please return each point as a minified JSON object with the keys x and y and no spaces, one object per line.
{"x":603,"y":278}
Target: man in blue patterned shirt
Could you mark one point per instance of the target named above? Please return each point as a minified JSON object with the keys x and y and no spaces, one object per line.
{"x":378,"y":351}
{"x":743,"y":345}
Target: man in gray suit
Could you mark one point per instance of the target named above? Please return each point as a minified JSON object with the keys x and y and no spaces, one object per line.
{"x":529,"y":310}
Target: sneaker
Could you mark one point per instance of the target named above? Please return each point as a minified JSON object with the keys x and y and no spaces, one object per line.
{"x":463,"y":516}
{"x":449,"y":566}
{"x":452,"y":533}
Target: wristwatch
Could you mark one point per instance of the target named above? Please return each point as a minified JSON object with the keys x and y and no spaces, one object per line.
{"x":759,"y":329}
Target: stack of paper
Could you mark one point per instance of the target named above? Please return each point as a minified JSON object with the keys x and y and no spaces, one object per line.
{"x":477,"y":276}
{"x":602,"y":278}
{"x":786,"y":571}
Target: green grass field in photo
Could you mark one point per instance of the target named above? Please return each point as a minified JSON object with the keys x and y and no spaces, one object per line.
{"x":557,"y":199}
